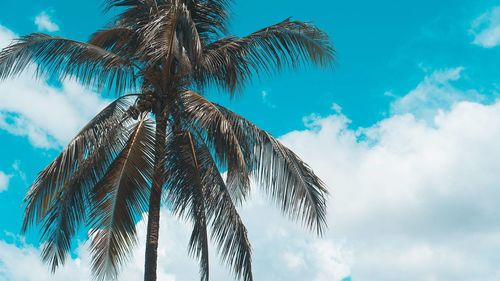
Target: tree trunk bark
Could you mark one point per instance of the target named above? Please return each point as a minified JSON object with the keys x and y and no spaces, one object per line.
{"x":155,"y":199}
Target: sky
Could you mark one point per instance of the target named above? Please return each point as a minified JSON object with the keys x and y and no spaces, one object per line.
{"x":403,"y":130}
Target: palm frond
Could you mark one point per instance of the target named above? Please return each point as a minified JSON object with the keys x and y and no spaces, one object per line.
{"x":68,"y":210}
{"x":63,"y":58}
{"x":97,"y":135}
{"x":219,"y":133}
{"x":158,"y":35}
{"x":230,"y":61}
{"x":186,"y":193}
{"x":188,"y":36}
{"x":211,"y":18}
{"x":289,"y":181}
{"x":228,"y":229}
{"x":119,"y":199}
{"x":119,"y":40}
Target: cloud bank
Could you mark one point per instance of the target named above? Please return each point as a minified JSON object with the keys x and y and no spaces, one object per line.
{"x":414,"y":197}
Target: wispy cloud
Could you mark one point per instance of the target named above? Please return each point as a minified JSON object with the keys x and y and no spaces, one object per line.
{"x":436,"y":92}
{"x":44,"y":22}
{"x":486,"y":29}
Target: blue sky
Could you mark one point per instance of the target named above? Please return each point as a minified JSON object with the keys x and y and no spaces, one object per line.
{"x":402,"y":129}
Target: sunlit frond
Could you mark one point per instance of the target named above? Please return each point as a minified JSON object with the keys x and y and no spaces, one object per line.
{"x":158,"y":36}
{"x":109,"y":4}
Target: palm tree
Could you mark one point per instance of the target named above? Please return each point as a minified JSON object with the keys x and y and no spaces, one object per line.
{"x":122,"y":164}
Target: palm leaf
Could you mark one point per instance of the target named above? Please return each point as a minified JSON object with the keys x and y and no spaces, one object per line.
{"x":289,"y":181}
{"x":68,"y":210}
{"x":230,"y":61}
{"x":64,"y":58}
{"x":187,"y":195}
{"x":218,"y":131}
{"x":97,"y":135}
{"x":228,"y":230}
{"x":210,"y":18}
{"x":119,"y":199}
{"x":119,"y":40}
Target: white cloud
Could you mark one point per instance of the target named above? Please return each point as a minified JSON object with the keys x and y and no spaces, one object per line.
{"x":49,"y":116}
{"x":4,"y":181}
{"x":414,"y":197}
{"x":414,"y":201}
{"x":45,"y":23}
{"x":486,"y":29}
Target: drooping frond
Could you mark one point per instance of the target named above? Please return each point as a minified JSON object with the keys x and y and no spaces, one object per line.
{"x":230,"y":61}
{"x":227,"y":228}
{"x":63,"y":58}
{"x":289,"y":181}
{"x":219,"y":133}
{"x":68,"y":210}
{"x":119,"y":199}
{"x":97,"y":135}
{"x":186,"y":193}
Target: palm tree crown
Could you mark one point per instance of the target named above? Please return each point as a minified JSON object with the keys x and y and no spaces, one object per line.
{"x":123,"y":163}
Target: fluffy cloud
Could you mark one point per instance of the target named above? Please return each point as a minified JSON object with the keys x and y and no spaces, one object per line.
{"x":413,"y":198}
{"x":48,"y":115}
{"x":44,"y":23}
{"x":486,"y":29}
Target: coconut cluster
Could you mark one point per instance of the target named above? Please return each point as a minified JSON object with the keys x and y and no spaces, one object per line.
{"x":144,"y":103}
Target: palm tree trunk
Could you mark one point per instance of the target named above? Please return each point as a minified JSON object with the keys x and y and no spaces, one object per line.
{"x":155,"y":200}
